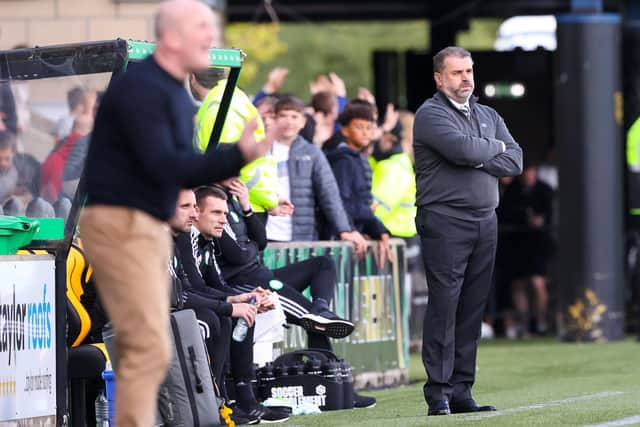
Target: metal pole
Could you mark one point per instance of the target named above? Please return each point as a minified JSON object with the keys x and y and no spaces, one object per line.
{"x":588,"y":107}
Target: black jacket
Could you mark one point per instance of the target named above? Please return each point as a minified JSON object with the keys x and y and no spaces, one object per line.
{"x":189,"y":283}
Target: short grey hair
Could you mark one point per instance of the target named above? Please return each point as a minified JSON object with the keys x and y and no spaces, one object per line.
{"x":439,"y":58}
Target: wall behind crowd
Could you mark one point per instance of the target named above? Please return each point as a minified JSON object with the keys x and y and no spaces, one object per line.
{"x":43,"y":22}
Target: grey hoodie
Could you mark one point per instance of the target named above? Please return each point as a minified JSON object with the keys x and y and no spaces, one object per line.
{"x":459,"y":160}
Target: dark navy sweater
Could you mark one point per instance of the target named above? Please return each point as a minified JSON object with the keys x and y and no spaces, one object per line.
{"x":355,"y":190}
{"x":141,"y":151}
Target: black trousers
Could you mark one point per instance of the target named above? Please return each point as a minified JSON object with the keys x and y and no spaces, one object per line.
{"x":459,"y":257}
{"x":318,"y":273}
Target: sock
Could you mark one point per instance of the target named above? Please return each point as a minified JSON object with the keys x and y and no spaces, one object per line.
{"x":245,"y":396}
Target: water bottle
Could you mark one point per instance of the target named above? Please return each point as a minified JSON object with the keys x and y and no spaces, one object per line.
{"x":266,"y":379}
{"x":347,"y":384}
{"x":102,"y":410}
{"x":296,"y":369}
{"x":240,"y":331}
{"x":313,"y":367}
{"x":280,"y":371}
{"x":109,"y":378}
{"x":254,"y":379}
{"x":332,"y":371}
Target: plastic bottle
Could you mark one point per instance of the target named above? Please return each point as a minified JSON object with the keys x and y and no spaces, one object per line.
{"x":313,"y":367}
{"x":241,"y":329}
{"x":102,"y":410}
{"x":254,"y":379}
{"x":296,"y":369}
{"x":280,"y":371}
{"x":347,"y":384}
{"x":265,"y":381}
{"x":332,"y":371}
{"x":109,"y":378}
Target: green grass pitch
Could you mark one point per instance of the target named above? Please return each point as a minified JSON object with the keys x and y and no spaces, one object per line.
{"x":538,"y":382}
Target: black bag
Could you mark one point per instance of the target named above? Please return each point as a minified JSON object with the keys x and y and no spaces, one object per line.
{"x":315,"y":376}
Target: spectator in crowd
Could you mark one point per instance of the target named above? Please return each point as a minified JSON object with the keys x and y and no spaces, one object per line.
{"x":19,"y":176}
{"x":208,"y":85}
{"x":405,"y":119}
{"x":328,"y":93}
{"x":20,"y":89}
{"x":305,"y":178}
{"x":349,"y":168}
{"x":13,"y":206}
{"x":331,"y":83}
{"x":53,"y":166}
{"x":40,"y":208}
{"x":62,"y":208}
{"x":266,"y":108}
{"x":390,"y":124}
{"x":8,"y":171}
{"x":217,"y":306}
{"x":29,"y":169}
{"x":74,"y":164}
{"x":325,"y":116}
{"x":394,"y":187}
{"x":548,"y":170}
{"x":526,"y":210}
{"x":81,"y":102}
{"x":274,"y":82}
{"x":499,"y":301}
{"x":8,"y":115}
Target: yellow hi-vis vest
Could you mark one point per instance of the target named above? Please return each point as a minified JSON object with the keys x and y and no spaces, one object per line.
{"x":393,"y":186}
{"x":261,"y":175}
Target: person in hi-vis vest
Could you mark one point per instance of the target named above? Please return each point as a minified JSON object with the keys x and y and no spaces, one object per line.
{"x":393,"y":186}
{"x":261,"y":175}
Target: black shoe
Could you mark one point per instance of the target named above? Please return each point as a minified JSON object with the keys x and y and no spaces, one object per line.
{"x":469,"y":405}
{"x":269,"y":415}
{"x":360,"y":401}
{"x":439,"y":407}
{"x":241,"y":417}
{"x":321,"y":320}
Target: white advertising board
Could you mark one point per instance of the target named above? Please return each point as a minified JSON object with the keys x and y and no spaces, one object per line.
{"x":27,"y":338}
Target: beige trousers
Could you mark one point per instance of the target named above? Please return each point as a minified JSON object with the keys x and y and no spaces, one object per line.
{"x":129,"y":251}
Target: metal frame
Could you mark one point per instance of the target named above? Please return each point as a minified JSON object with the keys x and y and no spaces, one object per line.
{"x":77,"y":59}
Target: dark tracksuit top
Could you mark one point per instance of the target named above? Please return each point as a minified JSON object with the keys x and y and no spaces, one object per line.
{"x":195,"y":291}
{"x":239,"y":257}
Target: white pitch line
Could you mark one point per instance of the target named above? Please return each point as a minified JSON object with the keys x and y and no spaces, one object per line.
{"x":620,"y":422}
{"x":543,"y":405}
